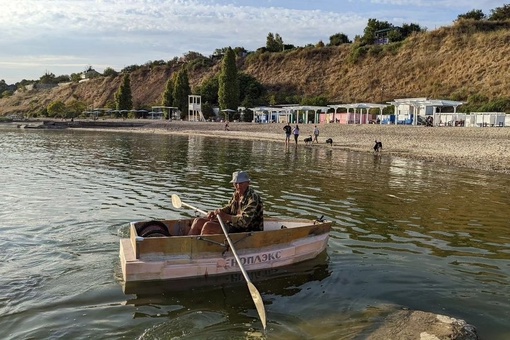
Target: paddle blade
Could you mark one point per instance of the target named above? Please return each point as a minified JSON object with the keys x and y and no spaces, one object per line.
{"x":259,"y":304}
{"x":176,"y":201}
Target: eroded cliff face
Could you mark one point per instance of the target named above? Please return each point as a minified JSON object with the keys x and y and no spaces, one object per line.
{"x":453,"y":62}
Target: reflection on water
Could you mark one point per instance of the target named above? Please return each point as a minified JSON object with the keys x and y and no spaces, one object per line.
{"x":224,"y":298}
{"x":407,"y":234}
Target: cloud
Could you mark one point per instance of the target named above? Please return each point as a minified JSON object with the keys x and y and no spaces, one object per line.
{"x":58,"y":35}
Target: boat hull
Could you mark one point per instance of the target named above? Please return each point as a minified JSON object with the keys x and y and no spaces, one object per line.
{"x":282,"y":243}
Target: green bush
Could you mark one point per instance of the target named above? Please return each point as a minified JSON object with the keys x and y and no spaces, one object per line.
{"x":393,"y":48}
{"x":375,"y":50}
{"x":357,"y":53}
{"x":497,"y":105}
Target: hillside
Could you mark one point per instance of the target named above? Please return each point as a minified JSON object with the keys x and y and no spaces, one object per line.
{"x":452,"y":62}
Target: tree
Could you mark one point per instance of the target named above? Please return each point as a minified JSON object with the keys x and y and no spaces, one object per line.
{"x":314,"y":101}
{"x":123,"y":97}
{"x":7,"y":90}
{"x":56,"y":109}
{"x":408,"y":29}
{"x":274,"y":43}
{"x":207,"y":110}
{"x":270,"y":42}
{"x":228,"y":83}
{"x":279,"y":42}
{"x":47,"y":78}
{"x":168,"y":95}
{"x":475,"y":14}
{"x":500,"y":13}
{"x":75,"y":77}
{"x":64,"y":78}
{"x":181,"y":91}
{"x":209,"y":90}
{"x":110,"y":72}
{"x":75,"y":108}
{"x":251,"y":91}
{"x":395,"y":35}
{"x":373,"y":25}
{"x":240,"y":51}
{"x":338,"y":39}
{"x":191,"y":55}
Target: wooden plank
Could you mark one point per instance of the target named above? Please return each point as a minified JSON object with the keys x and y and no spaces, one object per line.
{"x":195,"y":256}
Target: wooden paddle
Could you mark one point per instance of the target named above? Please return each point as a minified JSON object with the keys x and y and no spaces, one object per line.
{"x":255,"y":295}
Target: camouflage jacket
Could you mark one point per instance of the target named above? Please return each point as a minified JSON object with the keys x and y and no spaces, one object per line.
{"x":248,"y":214}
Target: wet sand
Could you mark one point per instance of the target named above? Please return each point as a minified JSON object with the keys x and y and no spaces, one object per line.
{"x":485,"y":148}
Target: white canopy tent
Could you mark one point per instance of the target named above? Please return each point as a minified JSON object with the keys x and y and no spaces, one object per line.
{"x":267,"y":114}
{"x":412,"y":107}
{"x":358,"y":108}
{"x":305,"y":112}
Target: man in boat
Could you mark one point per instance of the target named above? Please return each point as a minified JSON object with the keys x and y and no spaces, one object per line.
{"x":243,"y":213}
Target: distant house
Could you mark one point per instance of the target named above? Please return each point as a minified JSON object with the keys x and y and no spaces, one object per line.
{"x":382,"y":36}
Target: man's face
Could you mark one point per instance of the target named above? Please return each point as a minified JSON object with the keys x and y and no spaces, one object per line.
{"x":241,"y":187}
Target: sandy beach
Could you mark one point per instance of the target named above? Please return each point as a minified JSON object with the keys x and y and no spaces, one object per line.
{"x":482,"y":148}
{"x":485,"y":149}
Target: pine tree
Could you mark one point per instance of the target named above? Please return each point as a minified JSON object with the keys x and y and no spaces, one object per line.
{"x":181,"y":92}
{"x":168,"y":96}
{"x":274,"y":43}
{"x":228,"y":92}
{"x":123,"y":97}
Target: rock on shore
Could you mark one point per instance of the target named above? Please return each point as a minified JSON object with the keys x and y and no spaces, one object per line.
{"x":404,"y":325}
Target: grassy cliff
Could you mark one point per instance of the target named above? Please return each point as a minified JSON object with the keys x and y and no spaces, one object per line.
{"x":468,"y":61}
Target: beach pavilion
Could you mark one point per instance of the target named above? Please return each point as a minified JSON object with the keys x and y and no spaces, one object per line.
{"x":356,"y":113}
{"x":267,"y":114}
{"x":406,"y":109}
{"x":294,"y":114}
{"x":306,"y":114}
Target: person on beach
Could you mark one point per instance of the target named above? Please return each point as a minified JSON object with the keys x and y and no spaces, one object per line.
{"x":244,"y":211}
{"x":296,"y":133}
{"x":316,"y":134}
{"x":288,"y":131}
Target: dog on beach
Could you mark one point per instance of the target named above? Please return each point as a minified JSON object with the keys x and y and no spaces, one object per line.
{"x":377,"y":146}
{"x":329,"y":141}
{"x":308,"y":140}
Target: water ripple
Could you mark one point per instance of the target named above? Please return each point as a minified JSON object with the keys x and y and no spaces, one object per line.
{"x":405,"y":234}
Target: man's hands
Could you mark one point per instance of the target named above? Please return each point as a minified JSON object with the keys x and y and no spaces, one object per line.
{"x":224,"y":216}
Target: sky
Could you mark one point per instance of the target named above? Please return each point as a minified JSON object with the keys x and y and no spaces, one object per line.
{"x":67,"y":36}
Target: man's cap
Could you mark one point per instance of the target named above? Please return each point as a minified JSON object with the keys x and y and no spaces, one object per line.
{"x":240,"y":177}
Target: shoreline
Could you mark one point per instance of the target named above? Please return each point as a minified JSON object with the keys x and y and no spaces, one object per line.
{"x":486,"y":149}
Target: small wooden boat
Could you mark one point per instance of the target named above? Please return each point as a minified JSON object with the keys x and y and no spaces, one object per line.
{"x":157,"y":250}
{"x":283,"y":281}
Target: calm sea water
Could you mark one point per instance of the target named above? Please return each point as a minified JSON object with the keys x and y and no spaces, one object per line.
{"x":407,"y":235}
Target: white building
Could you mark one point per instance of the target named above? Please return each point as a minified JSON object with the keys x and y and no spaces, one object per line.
{"x":408,"y":109}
